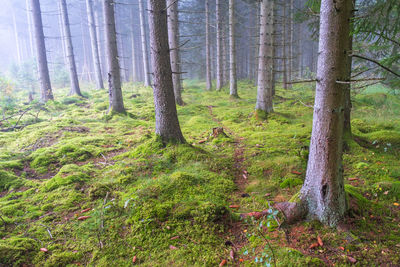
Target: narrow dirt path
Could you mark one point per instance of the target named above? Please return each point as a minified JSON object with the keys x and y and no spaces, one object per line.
{"x":237,"y":229}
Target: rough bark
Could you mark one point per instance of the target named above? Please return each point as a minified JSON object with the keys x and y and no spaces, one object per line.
{"x":94,"y":45}
{"x":208,"y":52}
{"x":322,"y":194}
{"x":73,"y":75}
{"x":173,"y":38}
{"x":46,"y":92}
{"x":146,"y":70}
{"x":167,"y":124}
{"x":220,"y":63}
{"x":264,"y":92}
{"x":114,"y":76}
{"x":232,"y":51}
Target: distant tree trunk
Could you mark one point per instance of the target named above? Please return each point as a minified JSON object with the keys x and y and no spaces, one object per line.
{"x":220,"y":63}
{"x":257,"y":50}
{"x":146,"y":70}
{"x":167,"y":124}
{"x":225,"y":56}
{"x":264,"y":92}
{"x":97,"y":19}
{"x":45,"y":84}
{"x":232,"y":51}
{"x":62,"y":34}
{"x":291,"y":32}
{"x":73,"y":75}
{"x":284,"y":55}
{"x":114,"y":76}
{"x":94,"y":45}
{"x":347,"y":92}
{"x":29,"y":22}
{"x":173,"y":37}
{"x":208,"y":52}
{"x":16,"y":35}
{"x":133,"y":47}
{"x":273,"y":48}
{"x":322,"y":196}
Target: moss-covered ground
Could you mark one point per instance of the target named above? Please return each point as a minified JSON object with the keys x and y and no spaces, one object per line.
{"x":80,"y":187}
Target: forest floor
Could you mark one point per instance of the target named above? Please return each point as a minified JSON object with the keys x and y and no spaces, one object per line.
{"x":78,"y":187}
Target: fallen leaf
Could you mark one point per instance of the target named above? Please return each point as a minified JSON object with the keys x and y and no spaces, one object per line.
{"x":314,"y":245}
{"x":245,"y":176}
{"x":86,"y":210}
{"x":386,"y":192}
{"x":232,"y":254}
{"x":396,"y":204}
{"x":296,"y":172}
{"x":134,"y":259}
{"x":44,"y":250}
{"x":175,"y":237}
{"x":267,"y":194}
{"x":202,"y":141}
{"x":84,"y":218}
{"x":353,"y":179}
{"x":342,"y":248}
{"x":234,"y":206}
{"x":172,"y":247}
{"x":241,"y":260}
{"x":351,"y":259}
{"x":320,"y":241}
{"x":223,"y":262}
{"x":245,"y":172}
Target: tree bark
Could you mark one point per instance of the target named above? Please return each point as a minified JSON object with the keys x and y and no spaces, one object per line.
{"x":29,"y":22}
{"x":146,"y":70}
{"x":94,"y":45}
{"x":167,"y":124}
{"x":284,"y":55}
{"x":173,"y":38}
{"x":114,"y":76}
{"x":273,"y":49}
{"x":264,"y":92}
{"x":232,"y":51}
{"x":323,"y":194}
{"x":220,"y":64}
{"x":73,"y":75}
{"x":46,"y":92}
{"x":208,"y":52}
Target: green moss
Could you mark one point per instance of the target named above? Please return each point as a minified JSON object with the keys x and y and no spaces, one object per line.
{"x":291,"y":182}
{"x":261,"y":114}
{"x":388,"y":190}
{"x":68,"y":174}
{"x":9,"y":180}
{"x":63,"y":258}
{"x":16,"y":251}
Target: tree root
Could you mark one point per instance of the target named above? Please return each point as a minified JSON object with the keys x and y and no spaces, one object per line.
{"x":293,"y":212}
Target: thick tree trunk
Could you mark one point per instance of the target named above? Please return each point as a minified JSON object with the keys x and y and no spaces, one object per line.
{"x":73,"y":75}
{"x":173,"y":38}
{"x":45,"y":84}
{"x":94,"y":45}
{"x":323,"y":195}
{"x":220,"y":63}
{"x":264,"y":92}
{"x":146,"y":70}
{"x":232,"y":51}
{"x":114,"y":76}
{"x":167,"y":124}
{"x":208,"y":52}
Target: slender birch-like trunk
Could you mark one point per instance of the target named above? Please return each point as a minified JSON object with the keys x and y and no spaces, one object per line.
{"x":73,"y":75}
{"x":264,"y":92}
{"x":114,"y":75}
{"x":232,"y":51}
{"x":208,"y":52}
{"x":146,"y":70}
{"x":94,"y":45}
{"x":167,"y":124}
{"x":46,"y":92}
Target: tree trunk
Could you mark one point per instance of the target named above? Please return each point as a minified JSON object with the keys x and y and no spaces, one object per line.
{"x":208,"y":52}
{"x":97,"y":18}
{"x":347,"y":92}
{"x":173,"y":38}
{"x":284,"y":55}
{"x":273,"y":49}
{"x":29,"y":22}
{"x":232,"y":51}
{"x":264,"y":92}
{"x":323,"y":195}
{"x":45,"y":84}
{"x":114,"y":76}
{"x":167,"y":124}
{"x":220,"y":64}
{"x":291,"y":32}
{"x":146,"y":70}
{"x":94,"y":45}
{"x":133,"y":47}
{"x":73,"y":75}
{"x":16,"y":35}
